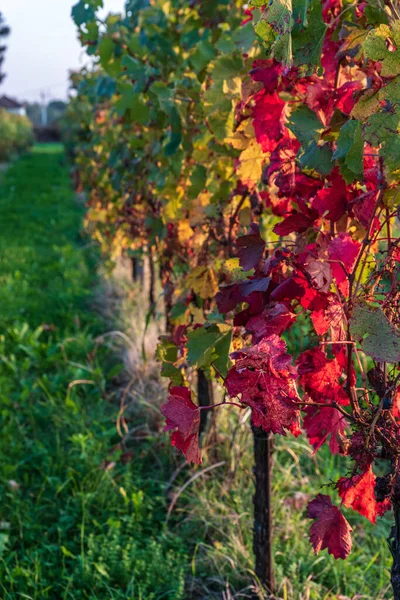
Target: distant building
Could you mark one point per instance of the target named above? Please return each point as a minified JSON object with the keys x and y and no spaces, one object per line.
{"x":12,"y":106}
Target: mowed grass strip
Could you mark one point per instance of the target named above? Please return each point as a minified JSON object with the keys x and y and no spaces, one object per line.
{"x":44,"y":274}
{"x":75,"y":522}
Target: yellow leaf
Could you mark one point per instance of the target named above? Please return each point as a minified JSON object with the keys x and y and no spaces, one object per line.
{"x":252,"y":160}
{"x":185,"y":232}
{"x":198,"y":240}
{"x":173,"y":204}
{"x":197,"y":314}
{"x":203,"y":281}
{"x":246,"y":216}
{"x":197,"y":209}
{"x":243,"y":135}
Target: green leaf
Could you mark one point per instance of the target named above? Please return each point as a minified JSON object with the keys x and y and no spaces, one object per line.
{"x":350,"y":149}
{"x":80,"y":13}
{"x":221,"y":124}
{"x":134,"y":67}
{"x":167,"y":354}
{"x":198,"y":180}
{"x":265,"y":32}
{"x":279,"y":16}
{"x":222,"y":349}
{"x":105,"y":50}
{"x":207,"y":345}
{"x":226,"y":68}
{"x":135,"y":45}
{"x":202,"y":56}
{"x":382,"y":129}
{"x":244,"y":37}
{"x":165,"y":96}
{"x":317,"y":158}
{"x":305,"y":125}
{"x":391,"y":158}
{"x":379,"y":338}
{"x":85,"y":11}
{"x":134,"y":103}
{"x":377,"y":47}
{"x":308,"y":33}
{"x":176,"y":134}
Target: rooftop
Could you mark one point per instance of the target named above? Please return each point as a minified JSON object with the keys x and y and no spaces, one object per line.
{"x":6,"y":102}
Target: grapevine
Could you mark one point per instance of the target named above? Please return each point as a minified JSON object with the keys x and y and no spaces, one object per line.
{"x":256,"y":157}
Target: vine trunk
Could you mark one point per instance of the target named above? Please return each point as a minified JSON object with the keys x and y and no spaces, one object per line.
{"x":262,"y":540}
{"x":205,"y":395}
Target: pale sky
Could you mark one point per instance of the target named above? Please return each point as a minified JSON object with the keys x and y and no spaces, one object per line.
{"x":42,"y":47}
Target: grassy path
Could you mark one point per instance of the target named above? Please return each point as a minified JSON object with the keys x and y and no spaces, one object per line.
{"x":70,"y":528}
{"x":44,"y":276}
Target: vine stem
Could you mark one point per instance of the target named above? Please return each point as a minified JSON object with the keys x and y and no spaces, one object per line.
{"x":328,"y":405}
{"x":211,"y":406}
{"x":365,"y":244}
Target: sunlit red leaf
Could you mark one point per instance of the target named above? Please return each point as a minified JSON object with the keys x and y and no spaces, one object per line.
{"x":330,"y":529}
{"x":273,"y":320}
{"x":265,"y":380}
{"x":358,"y":493}
{"x":268,"y":120}
{"x":321,"y":423}
{"x":343,"y":252}
{"x":319,"y":376}
{"x":184,"y":416}
{"x":331,"y":202}
{"x":296,"y":222}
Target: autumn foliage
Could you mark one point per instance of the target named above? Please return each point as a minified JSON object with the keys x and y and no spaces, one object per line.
{"x":261,"y":165}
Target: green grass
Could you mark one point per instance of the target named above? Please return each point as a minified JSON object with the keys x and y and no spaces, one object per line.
{"x":82,"y":515}
{"x":75,"y":522}
{"x":43,"y":275}
{"x":224,"y":557}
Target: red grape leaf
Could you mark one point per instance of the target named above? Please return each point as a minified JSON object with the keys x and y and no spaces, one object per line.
{"x":282,"y":167}
{"x":363,"y":207}
{"x":344,"y":250}
{"x":267,"y":73}
{"x":265,"y":379}
{"x":331,"y":202}
{"x":321,"y":422}
{"x":275,"y":319}
{"x":295,"y":222}
{"x":328,"y":59}
{"x":268,"y":120}
{"x":228,"y":297}
{"x":320,"y":273}
{"x":358,"y":493}
{"x":288,"y":290}
{"x":319,"y":377}
{"x":330,"y":529}
{"x":250,"y":249}
{"x":184,"y":416}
